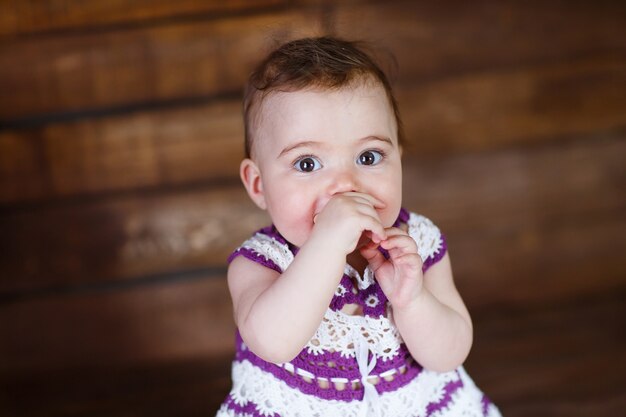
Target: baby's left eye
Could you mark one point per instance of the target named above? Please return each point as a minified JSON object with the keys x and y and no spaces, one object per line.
{"x":370,"y":158}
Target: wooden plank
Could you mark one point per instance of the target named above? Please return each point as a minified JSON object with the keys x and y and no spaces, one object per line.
{"x":511,"y":216}
{"x":123,"y":239}
{"x":519,"y":107}
{"x":518,"y":221}
{"x":439,"y":39}
{"x":23,"y":167}
{"x":168,"y":147}
{"x":136,"y":66}
{"x":21,"y":18}
{"x":163,"y":322}
{"x":191,"y":387}
{"x":559,"y":358}
{"x":179,"y":146}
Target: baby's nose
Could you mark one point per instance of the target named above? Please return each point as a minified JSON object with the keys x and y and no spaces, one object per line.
{"x":344,"y":182}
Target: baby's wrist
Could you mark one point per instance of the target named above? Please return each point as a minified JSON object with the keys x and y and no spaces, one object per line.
{"x":326,"y":243}
{"x":415,"y":303}
{"x":330,"y":241}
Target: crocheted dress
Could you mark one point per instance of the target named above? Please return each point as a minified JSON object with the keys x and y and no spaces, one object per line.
{"x":354,"y":365}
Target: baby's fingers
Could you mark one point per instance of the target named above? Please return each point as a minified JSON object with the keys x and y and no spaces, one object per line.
{"x":398,"y":241}
{"x":373,"y":225}
{"x":372,"y":255}
{"x":368,"y":198}
{"x":408,"y":259}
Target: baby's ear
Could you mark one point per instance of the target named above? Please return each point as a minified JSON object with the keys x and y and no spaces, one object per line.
{"x":251,"y":178}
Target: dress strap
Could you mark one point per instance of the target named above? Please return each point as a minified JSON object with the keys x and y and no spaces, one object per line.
{"x":268,"y":248}
{"x":431,"y":243}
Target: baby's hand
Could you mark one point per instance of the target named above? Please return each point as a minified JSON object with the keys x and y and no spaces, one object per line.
{"x":400,"y":277}
{"x":346,"y":216}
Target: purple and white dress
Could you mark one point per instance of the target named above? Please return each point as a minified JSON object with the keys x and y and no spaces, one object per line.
{"x":354,"y":365}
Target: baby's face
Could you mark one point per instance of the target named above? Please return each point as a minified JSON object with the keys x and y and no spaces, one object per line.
{"x":312,"y":145}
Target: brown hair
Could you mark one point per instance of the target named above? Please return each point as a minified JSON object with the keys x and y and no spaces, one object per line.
{"x":325,"y":62}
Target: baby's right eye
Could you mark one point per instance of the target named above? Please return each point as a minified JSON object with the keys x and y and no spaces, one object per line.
{"x":307,"y":164}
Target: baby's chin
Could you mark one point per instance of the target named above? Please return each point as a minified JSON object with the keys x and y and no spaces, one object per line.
{"x":297,"y":239}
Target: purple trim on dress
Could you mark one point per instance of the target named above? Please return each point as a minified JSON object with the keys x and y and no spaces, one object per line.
{"x":437,"y":256}
{"x":373,"y":294}
{"x":272,"y":232}
{"x":346,"y":367}
{"x":249,"y":409}
{"x":330,"y":393}
{"x":255,"y":257}
{"x":450,"y":388}
{"x":486,"y":402}
{"x":296,"y":381}
{"x":269,"y":231}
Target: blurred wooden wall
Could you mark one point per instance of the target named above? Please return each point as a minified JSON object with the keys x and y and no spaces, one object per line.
{"x":120,"y":138}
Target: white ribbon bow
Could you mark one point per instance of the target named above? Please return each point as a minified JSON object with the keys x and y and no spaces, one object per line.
{"x":370,"y":395}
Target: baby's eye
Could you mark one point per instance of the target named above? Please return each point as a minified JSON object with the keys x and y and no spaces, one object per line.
{"x":370,"y":158}
{"x":307,"y":164}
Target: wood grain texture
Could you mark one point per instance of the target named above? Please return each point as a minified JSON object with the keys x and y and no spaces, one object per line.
{"x":553,"y":359}
{"x":441,"y":39}
{"x":202,"y":143}
{"x":191,"y":387}
{"x":139,"y":150}
{"x":22,"y":18}
{"x":138,"y":66}
{"x":135,"y":66}
{"x":515,"y":108}
{"x":165,"y":321}
{"x":535,"y":222}
{"x":123,"y":239}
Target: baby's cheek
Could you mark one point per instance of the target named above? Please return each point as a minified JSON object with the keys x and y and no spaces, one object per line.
{"x":296,"y":222}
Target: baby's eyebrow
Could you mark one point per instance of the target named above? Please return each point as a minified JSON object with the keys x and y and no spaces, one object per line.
{"x":377,"y":138}
{"x":303,"y":144}
{"x":313,"y":144}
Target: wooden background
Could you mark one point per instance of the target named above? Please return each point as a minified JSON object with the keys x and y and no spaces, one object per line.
{"x":120,"y":138}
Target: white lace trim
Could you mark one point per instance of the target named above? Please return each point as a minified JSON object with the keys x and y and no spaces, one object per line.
{"x":421,"y":229}
{"x":363,"y":282}
{"x":338,"y":332}
{"x":271,"y":249}
{"x":426,"y":235}
{"x":274,"y":396}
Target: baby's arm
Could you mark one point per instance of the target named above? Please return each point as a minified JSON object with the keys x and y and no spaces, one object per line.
{"x":437,"y":327}
{"x":427,"y":308}
{"x":277,"y":314}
